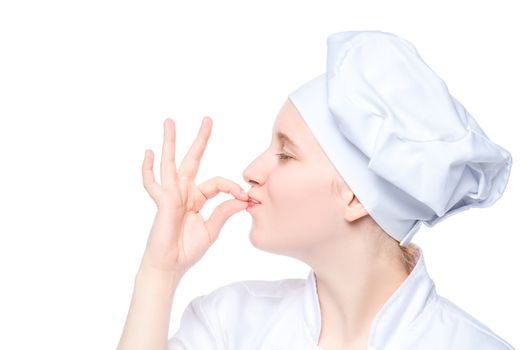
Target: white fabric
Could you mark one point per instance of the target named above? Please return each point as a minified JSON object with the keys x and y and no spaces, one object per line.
{"x":407,"y":148}
{"x":285,"y":314}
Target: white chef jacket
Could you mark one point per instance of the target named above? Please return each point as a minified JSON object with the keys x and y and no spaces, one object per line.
{"x":285,"y":314}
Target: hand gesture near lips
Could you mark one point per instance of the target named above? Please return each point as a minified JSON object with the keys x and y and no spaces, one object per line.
{"x":179,"y":235}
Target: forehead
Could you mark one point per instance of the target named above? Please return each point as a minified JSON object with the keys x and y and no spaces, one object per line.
{"x":290,"y":122}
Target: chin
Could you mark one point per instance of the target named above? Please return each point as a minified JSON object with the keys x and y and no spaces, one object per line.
{"x":261,"y":239}
{"x":268,"y":242}
{"x":256,"y":238}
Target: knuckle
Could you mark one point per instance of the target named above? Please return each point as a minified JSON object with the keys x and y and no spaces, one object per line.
{"x":219,"y":210}
{"x":219,"y":179}
{"x":183,"y":178}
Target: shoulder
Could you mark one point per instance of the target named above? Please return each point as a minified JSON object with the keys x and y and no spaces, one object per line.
{"x":232,"y":316}
{"x":256,"y":292}
{"x":446,"y":324}
{"x":237,"y":301}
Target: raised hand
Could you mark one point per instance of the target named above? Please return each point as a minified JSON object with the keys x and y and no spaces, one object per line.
{"x":179,"y":236}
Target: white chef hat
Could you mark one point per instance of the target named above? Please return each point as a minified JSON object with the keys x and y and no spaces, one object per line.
{"x":409,"y":150}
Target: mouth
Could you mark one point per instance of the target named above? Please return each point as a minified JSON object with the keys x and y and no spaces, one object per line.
{"x":252,"y":202}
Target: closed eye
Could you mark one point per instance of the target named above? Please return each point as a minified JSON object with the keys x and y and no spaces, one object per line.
{"x":283,"y":156}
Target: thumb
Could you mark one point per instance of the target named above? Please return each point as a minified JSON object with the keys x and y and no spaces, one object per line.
{"x":221,"y":214}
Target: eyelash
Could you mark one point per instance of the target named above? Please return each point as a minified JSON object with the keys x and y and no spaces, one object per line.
{"x":283,"y":156}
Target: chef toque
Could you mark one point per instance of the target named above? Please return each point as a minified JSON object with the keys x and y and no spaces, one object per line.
{"x":408,"y":150}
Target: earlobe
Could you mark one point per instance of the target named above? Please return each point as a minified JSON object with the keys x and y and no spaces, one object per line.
{"x":354,"y":212}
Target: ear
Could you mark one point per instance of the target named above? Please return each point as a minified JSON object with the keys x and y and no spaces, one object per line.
{"x":354,"y":210}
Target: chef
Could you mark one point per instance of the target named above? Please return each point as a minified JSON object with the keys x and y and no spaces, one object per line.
{"x":360,"y":157}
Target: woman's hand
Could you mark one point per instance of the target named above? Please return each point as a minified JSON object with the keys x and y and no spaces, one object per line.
{"x":179,"y":236}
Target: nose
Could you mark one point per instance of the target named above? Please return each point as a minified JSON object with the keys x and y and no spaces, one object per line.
{"x":254,"y":174}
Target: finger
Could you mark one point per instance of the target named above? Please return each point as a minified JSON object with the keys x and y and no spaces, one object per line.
{"x":191,"y":162}
{"x":218,"y":184}
{"x":167,"y":164}
{"x":148,"y":177}
{"x":221,"y":213}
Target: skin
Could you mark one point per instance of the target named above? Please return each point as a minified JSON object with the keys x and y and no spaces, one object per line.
{"x":307,"y":212}
{"x":303,"y":215}
{"x":179,"y":236}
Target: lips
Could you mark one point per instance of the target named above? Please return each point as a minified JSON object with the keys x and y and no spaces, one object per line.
{"x":252,"y":201}
{"x":251,"y":205}
{"x":255,"y":201}
{"x":253,"y":198}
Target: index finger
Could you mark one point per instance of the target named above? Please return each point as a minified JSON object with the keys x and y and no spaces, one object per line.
{"x":213,"y":186}
{"x":191,"y":162}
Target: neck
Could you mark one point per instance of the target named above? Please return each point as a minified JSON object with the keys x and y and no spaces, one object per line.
{"x":353,"y":284}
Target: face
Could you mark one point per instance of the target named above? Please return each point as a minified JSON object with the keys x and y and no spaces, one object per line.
{"x":300,"y":208}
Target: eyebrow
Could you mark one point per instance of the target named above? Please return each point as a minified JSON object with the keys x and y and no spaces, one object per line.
{"x":286,"y":139}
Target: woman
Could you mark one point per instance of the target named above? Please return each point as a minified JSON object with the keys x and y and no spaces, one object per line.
{"x":360,"y":156}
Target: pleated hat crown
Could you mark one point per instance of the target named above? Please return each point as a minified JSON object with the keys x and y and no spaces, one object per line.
{"x":406,"y":147}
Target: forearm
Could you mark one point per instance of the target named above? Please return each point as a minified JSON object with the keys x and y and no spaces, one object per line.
{"x":147,"y":323}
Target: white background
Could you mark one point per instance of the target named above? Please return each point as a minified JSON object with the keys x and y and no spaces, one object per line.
{"x":86,"y":85}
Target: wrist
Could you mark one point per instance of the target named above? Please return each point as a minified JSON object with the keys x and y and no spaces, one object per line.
{"x":159,"y":279}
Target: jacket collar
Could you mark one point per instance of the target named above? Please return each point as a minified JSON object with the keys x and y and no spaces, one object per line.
{"x":399,"y":311}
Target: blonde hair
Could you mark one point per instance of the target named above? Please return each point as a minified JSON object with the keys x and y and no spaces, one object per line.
{"x":408,"y":255}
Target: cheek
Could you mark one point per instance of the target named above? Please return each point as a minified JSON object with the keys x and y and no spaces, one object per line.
{"x":303,"y":208}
